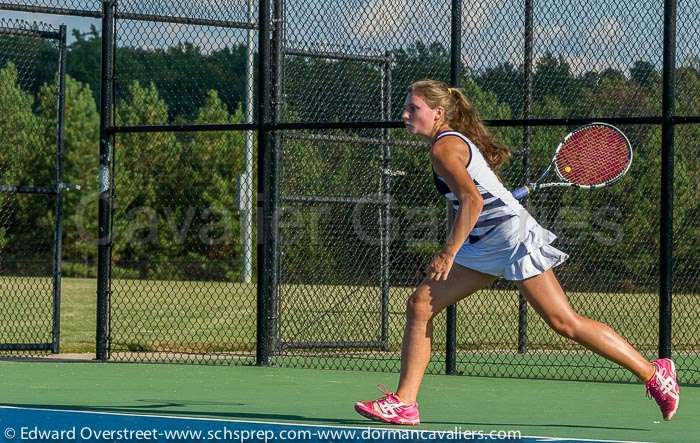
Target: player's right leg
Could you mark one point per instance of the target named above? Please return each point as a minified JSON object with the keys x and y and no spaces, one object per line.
{"x":429,"y":298}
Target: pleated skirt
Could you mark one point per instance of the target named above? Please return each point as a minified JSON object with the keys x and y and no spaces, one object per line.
{"x":517,"y":249}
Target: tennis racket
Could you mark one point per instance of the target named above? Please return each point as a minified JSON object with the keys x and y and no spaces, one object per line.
{"x":592,"y":156}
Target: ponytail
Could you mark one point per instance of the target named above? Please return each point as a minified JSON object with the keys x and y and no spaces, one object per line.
{"x":461,"y":116}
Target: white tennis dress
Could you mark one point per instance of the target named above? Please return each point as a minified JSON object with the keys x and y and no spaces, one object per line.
{"x":506,"y":241}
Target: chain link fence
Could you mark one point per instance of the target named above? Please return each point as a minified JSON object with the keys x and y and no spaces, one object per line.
{"x":182,"y":278}
{"x":179,"y":289}
{"x":30,"y":173}
{"x":353,"y":216}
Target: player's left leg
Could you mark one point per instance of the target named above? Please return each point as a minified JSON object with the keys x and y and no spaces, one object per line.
{"x":547,"y":297}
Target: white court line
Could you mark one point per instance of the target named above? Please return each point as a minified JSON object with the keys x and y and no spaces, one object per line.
{"x":583,"y":439}
{"x":176,"y":417}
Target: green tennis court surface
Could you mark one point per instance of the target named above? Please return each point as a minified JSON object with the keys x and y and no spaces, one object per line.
{"x":580,"y":410}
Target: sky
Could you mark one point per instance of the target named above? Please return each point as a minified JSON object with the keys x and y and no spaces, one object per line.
{"x":594,"y":34}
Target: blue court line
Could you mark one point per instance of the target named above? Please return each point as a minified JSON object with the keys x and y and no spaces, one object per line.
{"x":37,"y":424}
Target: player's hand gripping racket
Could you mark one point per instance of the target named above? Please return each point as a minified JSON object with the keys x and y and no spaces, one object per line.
{"x":592,"y":156}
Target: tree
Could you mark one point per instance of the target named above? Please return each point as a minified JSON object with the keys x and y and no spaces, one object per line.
{"x":36,"y":58}
{"x":81,"y":139}
{"x":645,"y":74}
{"x":552,"y":77}
{"x":210,"y":164}
{"x":615,"y":96}
{"x":143,"y":163}
{"x":333,"y":90}
{"x":25,"y":159}
{"x":506,"y":81}
{"x":85,"y":58}
{"x":183,"y":73}
{"x":21,"y":144}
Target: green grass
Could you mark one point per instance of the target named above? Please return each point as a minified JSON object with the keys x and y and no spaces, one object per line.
{"x":223,"y":315}
{"x":215,"y":317}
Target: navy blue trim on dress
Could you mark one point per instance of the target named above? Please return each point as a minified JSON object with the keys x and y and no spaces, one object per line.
{"x":476,"y":238}
{"x":485,"y":194}
{"x":493,"y":221}
{"x":493,"y":204}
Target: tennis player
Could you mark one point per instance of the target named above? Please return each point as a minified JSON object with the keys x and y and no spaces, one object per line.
{"x":492,"y":236}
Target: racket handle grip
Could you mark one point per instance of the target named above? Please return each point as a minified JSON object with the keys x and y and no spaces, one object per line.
{"x":521,"y":193}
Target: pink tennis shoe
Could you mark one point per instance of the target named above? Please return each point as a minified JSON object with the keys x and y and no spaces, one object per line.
{"x":389,"y":409}
{"x":663,"y":387}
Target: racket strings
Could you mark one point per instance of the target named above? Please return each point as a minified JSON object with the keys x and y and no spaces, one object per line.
{"x":594,"y":155}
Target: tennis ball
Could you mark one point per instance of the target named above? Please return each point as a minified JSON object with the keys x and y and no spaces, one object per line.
{"x":567,"y":169}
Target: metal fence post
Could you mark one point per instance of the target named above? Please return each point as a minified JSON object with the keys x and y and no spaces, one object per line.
{"x":667,"y":153}
{"x":455,"y":66}
{"x":105,"y":202}
{"x":58,"y":222}
{"x":265,"y":277}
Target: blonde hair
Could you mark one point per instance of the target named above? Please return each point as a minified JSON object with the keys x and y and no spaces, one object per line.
{"x":462,"y":116}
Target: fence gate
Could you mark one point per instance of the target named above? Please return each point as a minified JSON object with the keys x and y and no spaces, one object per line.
{"x":331,"y":297}
{"x":32,"y":84}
